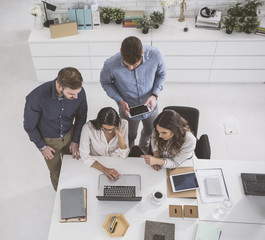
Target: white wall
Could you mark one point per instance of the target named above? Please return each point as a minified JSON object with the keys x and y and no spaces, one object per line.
{"x":149,"y":6}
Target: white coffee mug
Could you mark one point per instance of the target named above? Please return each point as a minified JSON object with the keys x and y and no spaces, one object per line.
{"x":157,"y":196}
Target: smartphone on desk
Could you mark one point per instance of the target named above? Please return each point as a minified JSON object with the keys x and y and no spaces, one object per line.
{"x":138,"y":110}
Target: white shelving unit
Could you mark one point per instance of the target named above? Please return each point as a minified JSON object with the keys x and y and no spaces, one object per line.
{"x":198,"y":55}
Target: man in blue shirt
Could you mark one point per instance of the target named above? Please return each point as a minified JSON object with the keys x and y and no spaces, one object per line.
{"x":132,"y":77}
{"x":49,"y":113}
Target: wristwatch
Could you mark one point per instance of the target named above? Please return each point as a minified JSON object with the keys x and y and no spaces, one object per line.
{"x":153,"y":94}
{"x":41,"y":149}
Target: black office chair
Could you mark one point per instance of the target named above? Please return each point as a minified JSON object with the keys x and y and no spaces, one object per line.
{"x":203,"y":149}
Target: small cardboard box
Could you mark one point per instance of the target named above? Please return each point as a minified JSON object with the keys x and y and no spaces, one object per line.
{"x":63,"y":29}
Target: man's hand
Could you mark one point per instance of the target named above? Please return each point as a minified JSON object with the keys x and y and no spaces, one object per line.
{"x":74,"y":149}
{"x":124,"y":107}
{"x":48,"y":152}
{"x":151,"y":101}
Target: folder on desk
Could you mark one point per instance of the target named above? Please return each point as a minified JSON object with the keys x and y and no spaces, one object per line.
{"x":80,"y":18}
{"x":159,"y":231}
{"x":207,"y":231}
{"x":73,"y":205}
{"x":185,"y":194}
{"x":88,"y":18}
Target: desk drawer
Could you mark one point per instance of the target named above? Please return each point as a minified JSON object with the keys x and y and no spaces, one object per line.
{"x":190,"y":62}
{"x":104,"y":49}
{"x":186,"y":48}
{"x":61,"y":62}
{"x":107,"y":49}
{"x":241,"y":48}
{"x":187,"y":76}
{"x":48,"y":75}
{"x":59,"y":49}
{"x":237,"y":62}
{"x":238,"y":76}
{"x":98,"y":62}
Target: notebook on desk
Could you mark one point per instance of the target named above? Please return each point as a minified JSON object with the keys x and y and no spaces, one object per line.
{"x":253,"y":183}
{"x":126,"y":188}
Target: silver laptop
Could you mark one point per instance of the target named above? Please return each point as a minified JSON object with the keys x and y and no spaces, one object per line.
{"x":126,"y":188}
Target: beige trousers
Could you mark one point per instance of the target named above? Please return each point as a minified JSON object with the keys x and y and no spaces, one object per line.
{"x":61,"y":146}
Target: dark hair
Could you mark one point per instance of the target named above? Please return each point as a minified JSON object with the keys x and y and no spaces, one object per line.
{"x":107,"y":116}
{"x":131,"y":50}
{"x":70,"y":77}
{"x":171,"y":120}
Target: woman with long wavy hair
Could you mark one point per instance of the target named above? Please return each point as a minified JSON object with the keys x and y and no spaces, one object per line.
{"x":172,"y":141}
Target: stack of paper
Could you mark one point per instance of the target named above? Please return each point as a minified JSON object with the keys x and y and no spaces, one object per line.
{"x":212,"y":185}
{"x":210,"y":23}
{"x":131,"y":18}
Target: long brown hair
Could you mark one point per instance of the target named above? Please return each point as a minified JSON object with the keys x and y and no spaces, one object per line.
{"x":171,"y":120}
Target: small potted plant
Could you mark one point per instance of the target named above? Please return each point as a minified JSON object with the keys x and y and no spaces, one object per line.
{"x":229,"y":24}
{"x":251,"y":24}
{"x":118,"y":15}
{"x":245,"y":17}
{"x":144,"y":24}
{"x":157,"y":18}
{"x":106,"y":14}
{"x":251,"y":21}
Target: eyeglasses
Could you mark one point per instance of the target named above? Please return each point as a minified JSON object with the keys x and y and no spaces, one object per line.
{"x":108,"y":130}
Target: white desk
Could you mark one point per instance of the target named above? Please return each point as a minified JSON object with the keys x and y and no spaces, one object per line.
{"x":75,"y":174}
{"x":245,"y":209}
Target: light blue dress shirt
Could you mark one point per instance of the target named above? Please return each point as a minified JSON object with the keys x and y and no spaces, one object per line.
{"x":136,"y":86}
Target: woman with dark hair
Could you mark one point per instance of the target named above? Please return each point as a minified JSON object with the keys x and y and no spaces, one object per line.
{"x":172,"y":141}
{"x":107,"y":135}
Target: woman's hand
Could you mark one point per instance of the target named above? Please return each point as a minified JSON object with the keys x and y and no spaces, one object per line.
{"x":121,"y":142}
{"x":111,"y":173}
{"x":150,"y":160}
{"x":156,"y":167}
{"x":118,"y":132}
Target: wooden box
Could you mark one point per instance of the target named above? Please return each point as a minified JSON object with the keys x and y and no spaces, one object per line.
{"x":63,"y":29}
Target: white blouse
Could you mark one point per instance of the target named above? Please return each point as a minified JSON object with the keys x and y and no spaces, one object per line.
{"x":94,"y":143}
{"x":186,"y":151}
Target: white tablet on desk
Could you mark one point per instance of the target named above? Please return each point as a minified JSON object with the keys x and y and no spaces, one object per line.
{"x":183,"y":182}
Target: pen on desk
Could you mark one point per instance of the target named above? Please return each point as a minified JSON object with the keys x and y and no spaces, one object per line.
{"x":220,"y":233}
{"x":116,"y":223}
{"x":113,"y":223}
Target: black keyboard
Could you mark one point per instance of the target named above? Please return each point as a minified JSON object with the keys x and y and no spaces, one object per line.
{"x":119,"y":191}
{"x":255,"y":186}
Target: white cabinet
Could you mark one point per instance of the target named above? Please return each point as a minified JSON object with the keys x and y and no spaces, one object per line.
{"x":86,"y":51}
{"x":187,"y":61}
{"x":194,"y":56}
{"x":239,"y":61}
